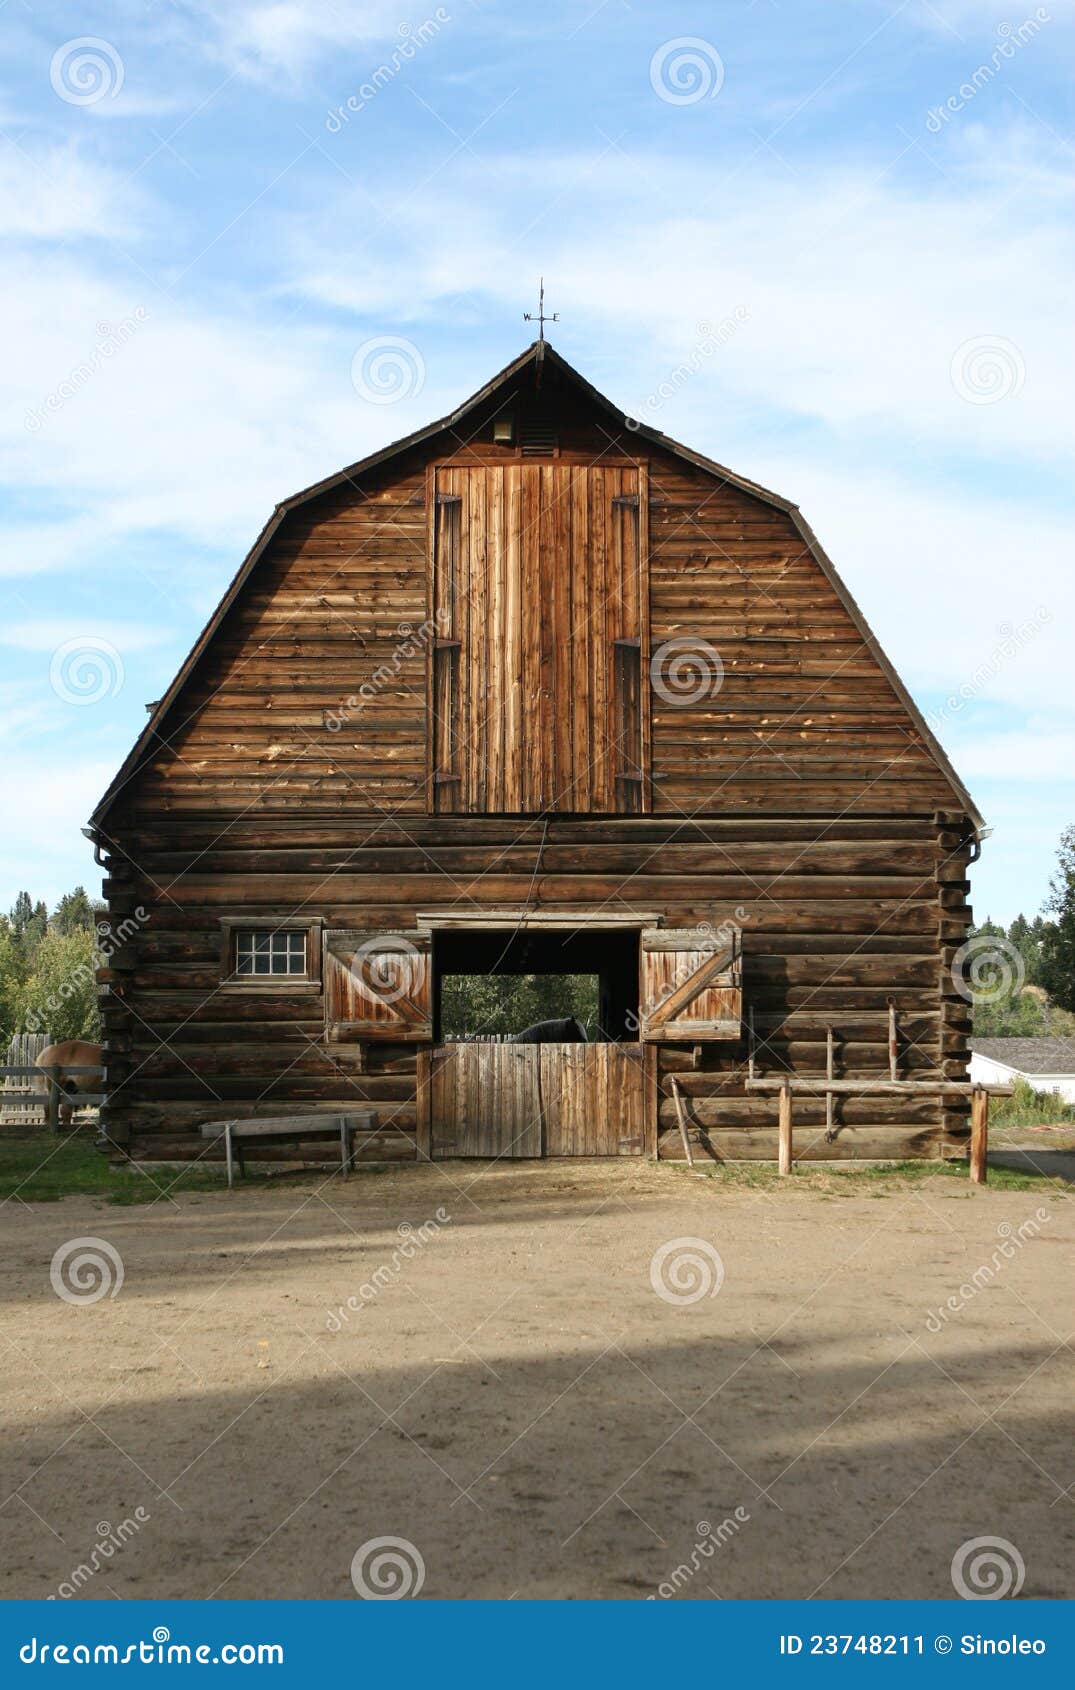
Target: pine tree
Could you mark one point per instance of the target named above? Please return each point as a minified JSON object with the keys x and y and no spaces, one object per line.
{"x":1058,"y":940}
{"x":74,"y":913}
{"x":21,"y":913}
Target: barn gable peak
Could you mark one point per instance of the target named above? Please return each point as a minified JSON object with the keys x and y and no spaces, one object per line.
{"x":529,"y":378}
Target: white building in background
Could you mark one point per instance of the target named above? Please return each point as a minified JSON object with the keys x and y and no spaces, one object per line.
{"x":1045,"y":1064}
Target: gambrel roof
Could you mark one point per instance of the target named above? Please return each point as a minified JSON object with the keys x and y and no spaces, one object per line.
{"x":537,"y":355}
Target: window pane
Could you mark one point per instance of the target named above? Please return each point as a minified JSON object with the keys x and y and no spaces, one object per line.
{"x":261,"y":950}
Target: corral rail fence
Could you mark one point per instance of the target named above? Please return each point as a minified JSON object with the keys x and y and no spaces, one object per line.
{"x":24,"y":1106}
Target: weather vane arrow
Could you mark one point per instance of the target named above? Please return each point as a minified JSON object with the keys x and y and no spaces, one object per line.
{"x":539,"y":316}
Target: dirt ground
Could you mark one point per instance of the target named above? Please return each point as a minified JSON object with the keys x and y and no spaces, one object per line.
{"x":522,"y":1390}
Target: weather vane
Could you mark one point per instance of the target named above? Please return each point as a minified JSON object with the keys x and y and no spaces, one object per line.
{"x":540,"y":317}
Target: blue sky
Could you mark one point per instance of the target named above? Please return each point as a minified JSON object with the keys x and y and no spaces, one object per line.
{"x":850,"y":220}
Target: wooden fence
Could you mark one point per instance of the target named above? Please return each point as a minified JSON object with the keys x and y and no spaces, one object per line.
{"x":43,"y":1109}
{"x":18,"y":1107}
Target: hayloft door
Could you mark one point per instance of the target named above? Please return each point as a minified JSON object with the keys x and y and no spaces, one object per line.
{"x":540,"y":609}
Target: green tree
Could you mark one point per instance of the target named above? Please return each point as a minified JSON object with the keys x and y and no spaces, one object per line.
{"x":1058,"y":938}
{"x":75,"y":913}
{"x":506,"y":1003}
{"x":29,"y":924}
{"x":11,"y":976}
{"x":59,"y":994}
{"x":1027,"y":937}
{"x":21,"y":912}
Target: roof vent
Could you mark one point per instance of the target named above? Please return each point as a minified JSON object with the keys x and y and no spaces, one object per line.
{"x":537,"y":437}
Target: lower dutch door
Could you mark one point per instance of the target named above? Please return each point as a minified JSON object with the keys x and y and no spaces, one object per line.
{"x":536,"y":1049}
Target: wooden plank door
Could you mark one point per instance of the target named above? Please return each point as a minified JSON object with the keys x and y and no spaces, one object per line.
{"x":691,"y":985}
{"x":485,"y":1100}
{"x":540,"y":604}
{"x":593,"y":1099}
{"x":377,"y":986}
{"x":532,"y":1100}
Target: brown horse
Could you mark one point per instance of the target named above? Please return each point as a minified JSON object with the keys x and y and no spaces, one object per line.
{"x":70,"y":1053}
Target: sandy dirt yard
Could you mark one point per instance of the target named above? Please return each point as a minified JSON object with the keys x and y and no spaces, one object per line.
{"x":557,"y":1380}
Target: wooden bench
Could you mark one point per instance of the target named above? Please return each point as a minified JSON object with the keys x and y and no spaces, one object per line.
{"x":291,"y":1126}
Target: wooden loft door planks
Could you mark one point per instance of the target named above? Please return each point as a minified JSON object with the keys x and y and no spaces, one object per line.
{"x":540,"y":598}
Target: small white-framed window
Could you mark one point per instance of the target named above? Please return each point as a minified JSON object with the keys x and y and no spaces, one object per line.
{"x":268,"y":951}
{"x":281,"y":956}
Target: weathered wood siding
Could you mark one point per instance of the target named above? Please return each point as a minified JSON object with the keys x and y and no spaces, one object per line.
{"x":593,"y":1100}
{"x":539,"y":607}
{"x":314,"y":689}
{"x":834,"y":920}
{"x":799,"y":714}
{"x":433,"y":688}
{"x":388,"y":652}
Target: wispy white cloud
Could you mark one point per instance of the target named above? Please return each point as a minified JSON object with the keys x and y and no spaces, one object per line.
{"x":860,"y":293}
{"x":55,"y":192}
{"x":282,"y":40}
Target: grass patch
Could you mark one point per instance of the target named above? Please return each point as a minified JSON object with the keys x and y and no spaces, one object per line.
{"x":864,"y":1180}
{"x":43,"y":1168}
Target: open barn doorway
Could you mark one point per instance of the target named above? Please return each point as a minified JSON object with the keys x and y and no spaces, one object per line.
{"x":536,"y":1051}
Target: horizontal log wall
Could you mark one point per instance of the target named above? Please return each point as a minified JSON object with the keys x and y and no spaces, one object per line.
{"x":800,"y":712}
{"x":316,"y":688}
{"x":837,"y":916}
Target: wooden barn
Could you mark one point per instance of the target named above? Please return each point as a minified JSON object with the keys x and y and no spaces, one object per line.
{"x":537,"y":690}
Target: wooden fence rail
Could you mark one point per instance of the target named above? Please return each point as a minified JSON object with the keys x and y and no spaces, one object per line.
{"x":55,"y":1095}
{"x":823,"y":1085}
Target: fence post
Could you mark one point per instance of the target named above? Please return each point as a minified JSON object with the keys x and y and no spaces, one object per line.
{"x":785,"y":1130}
{"x":979,"y":1136}
{"x":51,"y":1074}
